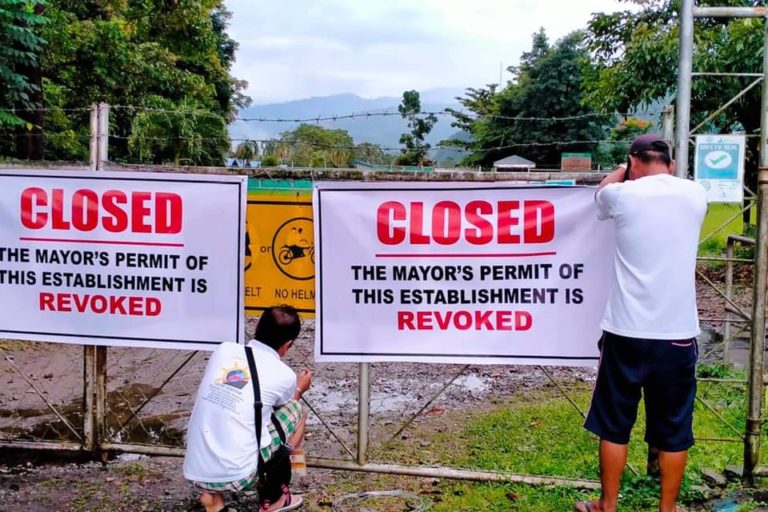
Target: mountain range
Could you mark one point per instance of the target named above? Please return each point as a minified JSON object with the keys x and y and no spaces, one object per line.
{"x":265,"y":122}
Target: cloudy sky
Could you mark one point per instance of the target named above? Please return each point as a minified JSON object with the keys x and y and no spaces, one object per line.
{"x":293,"y":49}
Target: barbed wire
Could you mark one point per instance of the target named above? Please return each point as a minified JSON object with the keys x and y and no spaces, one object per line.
{"x":340,"y":117}
{"x":282,"y":142}
{"x":57,"y":162}
{"x":288,"y":143}
{"x":45,"y":109}
{"x":365,"y":115}
{"x":38,"y":133}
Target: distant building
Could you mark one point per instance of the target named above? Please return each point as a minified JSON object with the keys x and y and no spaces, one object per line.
{"x":243,"y":164}
{"x":366,"y":166}
{"x":513,"y":163}
{"x":576,"y":162}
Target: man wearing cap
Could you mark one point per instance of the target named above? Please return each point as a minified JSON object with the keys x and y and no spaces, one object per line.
{"x":650,"y":321}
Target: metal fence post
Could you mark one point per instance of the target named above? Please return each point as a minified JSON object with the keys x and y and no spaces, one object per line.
{"x":363,"y":412}
{"x":757,"y":348}
{"x":729,"y":295}
{"x":89,"y":424}
{"x":682,"y":132}
{"x":685,"y":75}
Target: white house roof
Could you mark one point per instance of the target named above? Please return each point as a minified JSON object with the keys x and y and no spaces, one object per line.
{"x":514,"y":161}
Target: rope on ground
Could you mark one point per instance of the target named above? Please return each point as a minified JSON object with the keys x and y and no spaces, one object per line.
{"x":350,"y":502}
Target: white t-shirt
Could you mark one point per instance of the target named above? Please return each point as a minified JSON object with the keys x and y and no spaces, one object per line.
{"x":221,"y":436}
{"x":658,"y":220}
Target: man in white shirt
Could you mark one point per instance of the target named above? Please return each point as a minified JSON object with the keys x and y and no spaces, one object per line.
{"x":223,"y":454}
{"x":650,"y":320}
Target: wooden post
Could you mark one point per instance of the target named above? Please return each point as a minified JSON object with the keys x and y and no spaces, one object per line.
{"x":103,"y":136}
{"x":93,"y":150}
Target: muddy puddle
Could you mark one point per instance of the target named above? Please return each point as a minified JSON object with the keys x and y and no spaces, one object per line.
{"x":396,"y":390}
{"x":124,"y":421}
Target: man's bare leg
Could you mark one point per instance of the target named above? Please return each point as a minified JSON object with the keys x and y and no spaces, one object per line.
{"x":672,"y":465}
{"x":613,"y":458}
{"x":297,"y":437}
{"x":295,"y":441}
{"x":212,"y":501}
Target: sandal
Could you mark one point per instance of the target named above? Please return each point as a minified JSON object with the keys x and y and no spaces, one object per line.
{"x":292,"y":502}
{"x":584,"y":506}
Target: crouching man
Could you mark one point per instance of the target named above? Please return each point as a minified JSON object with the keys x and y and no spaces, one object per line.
{"x":228,"y":448}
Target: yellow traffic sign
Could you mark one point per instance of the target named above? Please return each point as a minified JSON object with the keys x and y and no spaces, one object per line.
{"x":280,"y":251}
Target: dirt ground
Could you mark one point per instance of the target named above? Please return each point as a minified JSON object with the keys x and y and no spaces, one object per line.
{"x":140,"y":483}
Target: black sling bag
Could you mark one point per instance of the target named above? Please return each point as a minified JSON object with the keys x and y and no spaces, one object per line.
{"x":274,"y":473}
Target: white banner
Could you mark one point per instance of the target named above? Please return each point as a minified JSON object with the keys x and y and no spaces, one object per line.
{"x":122,"y":259}
{"x":460,"y":273}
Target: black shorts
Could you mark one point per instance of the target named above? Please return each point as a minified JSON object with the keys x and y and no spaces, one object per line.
{"x":665,"y":372}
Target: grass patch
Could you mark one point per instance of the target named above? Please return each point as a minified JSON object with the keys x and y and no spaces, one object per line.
{"x":502,"y":498}
{"x":542,"y":434}
{"x":718,"y":215}
{"x":13,"y":344}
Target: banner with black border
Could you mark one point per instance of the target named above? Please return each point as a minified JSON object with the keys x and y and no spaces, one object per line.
{"x":460,"y":273}
{"x":122,"y":259}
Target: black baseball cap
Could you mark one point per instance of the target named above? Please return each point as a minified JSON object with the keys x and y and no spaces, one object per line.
{"x":649,"y":142}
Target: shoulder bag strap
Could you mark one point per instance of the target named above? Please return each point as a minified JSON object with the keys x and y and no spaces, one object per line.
{"x":257,"y":404}
{"x":278,"y":428}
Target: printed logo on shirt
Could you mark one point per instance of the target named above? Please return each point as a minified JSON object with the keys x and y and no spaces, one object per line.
{"x":236,"y":377}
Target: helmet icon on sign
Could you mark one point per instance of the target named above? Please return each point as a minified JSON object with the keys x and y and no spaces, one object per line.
{"x":293,"y":249}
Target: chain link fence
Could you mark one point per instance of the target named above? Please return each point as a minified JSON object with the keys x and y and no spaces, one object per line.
{"x":149,"y":395}
{"x":423,"y":418}
{"x":41,"y":397}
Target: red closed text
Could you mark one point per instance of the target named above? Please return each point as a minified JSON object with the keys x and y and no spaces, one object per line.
{"x":476,"y":222}
{"x":114,"y":211}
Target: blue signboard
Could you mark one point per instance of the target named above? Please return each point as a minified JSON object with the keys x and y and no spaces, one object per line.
{"x":719,"y":166}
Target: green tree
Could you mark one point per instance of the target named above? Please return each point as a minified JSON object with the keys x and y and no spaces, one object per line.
{"x":637,"y":60}
{"x":20,"y":76}
{"x":129,"y":54}
{"x":20,"y":47}
{"x":183,"y":133}
{"x":247,"y":150}
{"x":270,"y":161}
{"x":615,"y":152}
{"x":479,"y":105}
{"x":314,"y":146}
{"x":415,"y":150}
{"x":636,"y":54}
{"x":540,"y":112}
{"x":371,"y":153}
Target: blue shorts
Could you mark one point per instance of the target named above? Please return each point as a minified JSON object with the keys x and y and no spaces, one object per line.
{"x":664,"y":371}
